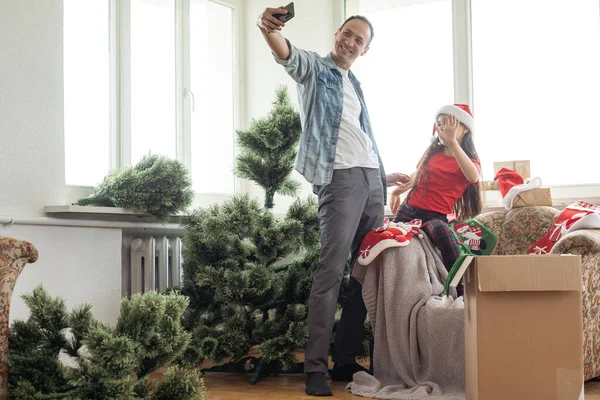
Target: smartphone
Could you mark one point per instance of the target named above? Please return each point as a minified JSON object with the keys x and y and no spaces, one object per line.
{"x":288,"y":16}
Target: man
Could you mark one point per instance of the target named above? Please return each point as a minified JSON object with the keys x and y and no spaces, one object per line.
{"x":339,"y":156}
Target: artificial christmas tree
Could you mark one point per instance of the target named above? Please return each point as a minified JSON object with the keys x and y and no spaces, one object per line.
{"x":156,"y":185}
{"x":268,"y":150}
{"x":98,"y":361}
{"x":247,"y":272}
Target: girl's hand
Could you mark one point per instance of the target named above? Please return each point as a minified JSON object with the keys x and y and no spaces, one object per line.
{"x":448,"y":129}
{"x":395,"y":197}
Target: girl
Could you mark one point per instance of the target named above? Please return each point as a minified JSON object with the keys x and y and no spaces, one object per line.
{"x":446,"y":181}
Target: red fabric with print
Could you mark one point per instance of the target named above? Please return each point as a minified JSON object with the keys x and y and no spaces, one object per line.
{"x":579,"y":212}
{"x":392,"y":234}
{"x":441,"y":184}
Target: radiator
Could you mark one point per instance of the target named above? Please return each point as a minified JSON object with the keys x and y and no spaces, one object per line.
{"x":155,"y":264}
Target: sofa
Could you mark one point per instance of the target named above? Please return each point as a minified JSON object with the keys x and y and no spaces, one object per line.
{"x":516,"y":230}
{"x":14,"y":254}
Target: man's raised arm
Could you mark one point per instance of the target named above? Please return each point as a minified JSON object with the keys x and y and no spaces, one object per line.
{"x":270,"y":27}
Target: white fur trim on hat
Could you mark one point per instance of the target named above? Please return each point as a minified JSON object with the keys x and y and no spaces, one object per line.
{"x":535,"y":183}
{"x":464,"y":117}
{"x":447,"y":301}
{"x":590,"y":221}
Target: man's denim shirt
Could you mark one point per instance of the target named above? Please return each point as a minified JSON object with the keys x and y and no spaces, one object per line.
{"x":321,"y":97}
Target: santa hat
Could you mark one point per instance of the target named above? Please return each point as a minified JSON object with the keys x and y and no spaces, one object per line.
{"x":511,"y":184}
{"x":461,"y":111}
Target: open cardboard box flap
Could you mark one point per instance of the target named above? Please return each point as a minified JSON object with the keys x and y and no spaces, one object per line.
{"x":524,"y":273}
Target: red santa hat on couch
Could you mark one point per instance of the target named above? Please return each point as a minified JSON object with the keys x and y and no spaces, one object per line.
{"x":511,"y":184}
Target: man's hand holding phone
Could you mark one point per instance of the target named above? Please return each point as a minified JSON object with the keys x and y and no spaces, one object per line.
{"x":271,"y":21}
{"x":274,"y":19}
{"x":268,"y":22}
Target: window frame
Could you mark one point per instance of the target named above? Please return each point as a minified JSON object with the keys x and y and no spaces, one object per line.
{"x":562,"y":195}
{"x":120,"y":90}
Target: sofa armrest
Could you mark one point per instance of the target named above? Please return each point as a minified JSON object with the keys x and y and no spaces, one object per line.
{"x":586,"y":243}
{"x":580,"y":242}
{"x":14,"y":254}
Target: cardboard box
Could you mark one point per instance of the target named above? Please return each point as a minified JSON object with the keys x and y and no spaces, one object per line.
{"x":523,"y":327}
{"x":522,"y":167}
{"x":533,"y":197}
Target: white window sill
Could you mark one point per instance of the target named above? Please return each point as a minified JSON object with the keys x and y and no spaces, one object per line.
{"x":562,"y":196}
{"x":90,"y":210}
{"x":74,"y":193}
{"x":98,"y":218}
{"x":108,"y":216}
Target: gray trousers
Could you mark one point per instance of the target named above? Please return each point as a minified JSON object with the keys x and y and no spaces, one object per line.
{"x":349,"y":207}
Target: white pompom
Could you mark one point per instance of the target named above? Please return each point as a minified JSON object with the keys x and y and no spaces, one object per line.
{"x":447,"y":301}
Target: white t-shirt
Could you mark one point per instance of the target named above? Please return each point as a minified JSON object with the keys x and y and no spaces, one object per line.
{"x":354,"y":147}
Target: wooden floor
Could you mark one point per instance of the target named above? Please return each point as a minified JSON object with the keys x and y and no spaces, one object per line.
{"x":291,"y":387}
{"x":284,"y":387}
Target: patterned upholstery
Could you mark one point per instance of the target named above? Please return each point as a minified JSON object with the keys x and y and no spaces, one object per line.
{"x":14,"y":254}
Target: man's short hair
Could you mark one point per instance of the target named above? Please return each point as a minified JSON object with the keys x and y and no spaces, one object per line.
{"x":363,"y":19}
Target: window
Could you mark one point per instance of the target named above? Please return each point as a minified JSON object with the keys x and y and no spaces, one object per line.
{"x":86,"y":91}
{"x":536,"y":82}
{"x":150,"y":76}
{"x":528,"y":68}
{"x":153,"y":120}
{"x":211,"y":38}
{"x":407,"y":75}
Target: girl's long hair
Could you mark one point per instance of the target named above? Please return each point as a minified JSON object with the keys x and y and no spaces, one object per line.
{"x":469,"y":205}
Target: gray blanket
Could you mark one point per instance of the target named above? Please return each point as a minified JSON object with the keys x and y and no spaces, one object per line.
{"x":419,"y":345}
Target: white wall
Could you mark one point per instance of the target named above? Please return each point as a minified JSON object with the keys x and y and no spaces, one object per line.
{"x":312,"y":28}
{"x":78,"y":264}
{"x":31,"y":106}
{"x":81,"y":265}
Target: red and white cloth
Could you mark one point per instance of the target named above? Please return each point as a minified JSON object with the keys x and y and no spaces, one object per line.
{"x":511,"y":184}
{"x":576,"y":216}
{"x":391,"y":234}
